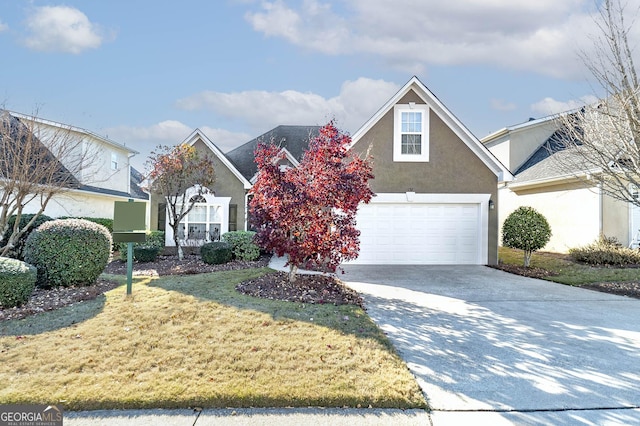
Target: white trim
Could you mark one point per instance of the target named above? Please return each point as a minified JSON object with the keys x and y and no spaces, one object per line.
{"x":398,"y":110}
{"x":197,"y":134}
{"x":482,"y":200}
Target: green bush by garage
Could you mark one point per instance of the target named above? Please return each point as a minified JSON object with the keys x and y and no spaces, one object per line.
{"x":17,"y":252}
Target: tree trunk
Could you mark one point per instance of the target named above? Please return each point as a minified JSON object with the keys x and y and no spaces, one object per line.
{"x":292,"y":273}
{"x":527,"y":258}
{"x":176,"y":240}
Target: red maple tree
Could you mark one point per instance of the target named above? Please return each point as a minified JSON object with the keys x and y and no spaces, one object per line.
{"x":308,"y":212}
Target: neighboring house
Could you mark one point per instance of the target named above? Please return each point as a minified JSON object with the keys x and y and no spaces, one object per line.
{"x":108,"y":176}
{"x":225,"y":207}
{"x":577,"y":210}
{"x":435,"y":184}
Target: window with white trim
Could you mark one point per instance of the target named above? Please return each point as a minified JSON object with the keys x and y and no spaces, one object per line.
{"x":114,"y":161}
{"x":411,"y":132}
{"x":203,"y":222}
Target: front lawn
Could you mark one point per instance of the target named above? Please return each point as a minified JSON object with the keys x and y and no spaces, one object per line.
{"x":562,"y":269}
{"x":194,"y":341}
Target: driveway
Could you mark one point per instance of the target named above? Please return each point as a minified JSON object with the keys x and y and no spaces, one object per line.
{"x":494,"y":347}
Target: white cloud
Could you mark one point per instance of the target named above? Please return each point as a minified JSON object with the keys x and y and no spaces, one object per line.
{"x":549,"y":106}
{"x":169,"y":133}
{"x":262,"y":110}
{"x":3,"y":26}
{"x":502,"y":105}
{"x":535,"y":36}
{"x":61,"y":29}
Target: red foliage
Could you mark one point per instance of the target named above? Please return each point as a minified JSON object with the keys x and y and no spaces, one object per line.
{"x":308,"y":212}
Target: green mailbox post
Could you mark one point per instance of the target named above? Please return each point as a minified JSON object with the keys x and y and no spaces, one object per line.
{"x":129,"y":227}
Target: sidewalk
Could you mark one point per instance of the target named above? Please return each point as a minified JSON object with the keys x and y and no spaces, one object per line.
{"x":252,"y":416}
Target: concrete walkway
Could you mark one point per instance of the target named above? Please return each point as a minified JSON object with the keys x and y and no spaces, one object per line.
{"x":489,"y":347}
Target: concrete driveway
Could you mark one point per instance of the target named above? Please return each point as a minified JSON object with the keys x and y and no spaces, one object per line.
{"x":489,"y":347}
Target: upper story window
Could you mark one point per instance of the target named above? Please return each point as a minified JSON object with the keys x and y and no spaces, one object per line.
{"x":114,"y":161}
{"x":411,"y":132}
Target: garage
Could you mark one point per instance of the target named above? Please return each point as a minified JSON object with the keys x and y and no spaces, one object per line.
{"x":427,"y":230}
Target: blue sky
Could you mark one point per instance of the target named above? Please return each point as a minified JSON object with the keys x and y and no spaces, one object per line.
{"x":145,"y":72}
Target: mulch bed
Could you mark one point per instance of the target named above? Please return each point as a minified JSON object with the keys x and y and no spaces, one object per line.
{"x":43,"y":300}
{"x":307,"y":288}
{"x":629,"y":289}
{"x":313,"y":289}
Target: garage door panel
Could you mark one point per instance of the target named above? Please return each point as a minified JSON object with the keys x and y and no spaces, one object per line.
{"x":412,"y":233}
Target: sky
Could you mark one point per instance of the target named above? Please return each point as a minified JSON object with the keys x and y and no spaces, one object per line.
{"x":148,"y":72}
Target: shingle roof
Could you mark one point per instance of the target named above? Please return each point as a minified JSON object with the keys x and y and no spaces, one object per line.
{"x":294,"y":138}
{"x":18,"y":133}
{"x":553,"y":159}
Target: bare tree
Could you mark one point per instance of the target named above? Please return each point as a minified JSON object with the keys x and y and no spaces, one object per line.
{"x":181,"y":175}
{"x":37,"y":162}
{"x":601,"y":141}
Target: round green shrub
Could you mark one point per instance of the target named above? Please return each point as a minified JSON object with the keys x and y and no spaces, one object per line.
{"x":18,"y":251}
{"x":216,"y":253}
{"x":155,"y":239}
{"x":145,"y":253}
{"x":68,"y":252}
{"x":526,"y":229}
{"x":242,"y":244}
{"x":17,"y":280}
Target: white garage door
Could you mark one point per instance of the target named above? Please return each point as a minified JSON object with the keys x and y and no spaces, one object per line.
{"x":420,"y":233}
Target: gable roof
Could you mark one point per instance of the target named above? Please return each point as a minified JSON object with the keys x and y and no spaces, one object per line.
{"x":553,"y":161}
{"x":415,"y":85}
{"x":198,"y":135}
{"x":74,"y":129}
{"x":294,"y":140}
{"x":16,"y":132}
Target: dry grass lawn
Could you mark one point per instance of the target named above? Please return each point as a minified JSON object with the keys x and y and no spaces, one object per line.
{"x":193,"y":341}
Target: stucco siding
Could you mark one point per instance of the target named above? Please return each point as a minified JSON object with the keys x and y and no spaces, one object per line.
{"x":452,"y":167}
{"x":227,"y":184}
{"x":526,"y":141}
{"x":615,"y":219}
{"x":570,"y":226}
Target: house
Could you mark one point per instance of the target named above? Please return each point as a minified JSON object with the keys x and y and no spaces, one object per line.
{"x":435,"y":184}
{"x":577,"y":210}
{"x":106,"y":177}
{"x":225,"y":207}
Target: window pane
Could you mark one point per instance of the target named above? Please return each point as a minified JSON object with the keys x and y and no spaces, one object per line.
{"x":197,"y":231}
{"x":412,"y":144}
{"x":214,"y":214}
{"x":214,"y":232}
{"x":198,"y":214}
{"x":411,"y":122}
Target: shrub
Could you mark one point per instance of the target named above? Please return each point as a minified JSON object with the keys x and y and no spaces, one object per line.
{"x":216,"y":252}
{"x":17,"y":280}
{"x":104,"y":221}
{"x":18,"y":250}
{"x":68,"y":252}
{"x":605,"y":251}
{"x":155,"y":239}
{"x":526,"y":229}
{"x":145,"y":253}
{"x":242,"y":244}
